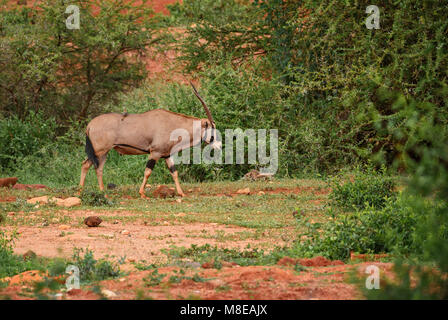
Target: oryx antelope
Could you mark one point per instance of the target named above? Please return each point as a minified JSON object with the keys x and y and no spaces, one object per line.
{"x":145,"y":133}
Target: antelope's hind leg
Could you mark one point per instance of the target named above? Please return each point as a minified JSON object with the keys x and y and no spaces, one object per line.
{"x":86,"y":164}
{"x":99,"y":170}
{"x":174,"y":174}
{"x":148,"y":170}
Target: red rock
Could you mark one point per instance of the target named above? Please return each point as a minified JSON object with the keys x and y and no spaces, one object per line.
{"x":287,"y":261}
{"x":319,"y":262}
{"x":8,"y":182}
{"x":92,"y":221}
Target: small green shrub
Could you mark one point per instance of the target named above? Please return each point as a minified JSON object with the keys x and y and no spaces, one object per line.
{"x":11,"y":264}
{"x":91,"y":269}
{"x":96,"y":199}
{"x":368,"y":189}
{"x":154,"y":278}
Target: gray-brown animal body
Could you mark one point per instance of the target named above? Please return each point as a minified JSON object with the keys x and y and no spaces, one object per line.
{"x":146,"y":133}
{"x":137,"y":134}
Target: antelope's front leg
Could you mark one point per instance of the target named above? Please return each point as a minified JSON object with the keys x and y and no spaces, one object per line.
{"x":173,"y":171}
{"x":149,"y":167}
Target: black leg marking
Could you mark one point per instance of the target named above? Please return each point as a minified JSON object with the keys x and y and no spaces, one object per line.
{"x":150,"y":164}
{"x":172,"y":168}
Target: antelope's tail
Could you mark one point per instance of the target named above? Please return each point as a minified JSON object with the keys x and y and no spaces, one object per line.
{"x":91,"y":152}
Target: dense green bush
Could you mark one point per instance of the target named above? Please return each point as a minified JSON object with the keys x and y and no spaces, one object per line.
{"x":21,"y":138}
{"x":392,"y":229}
{"x":426,"y":156}
{"x":369,"y":189}
{"x":332,"y":71}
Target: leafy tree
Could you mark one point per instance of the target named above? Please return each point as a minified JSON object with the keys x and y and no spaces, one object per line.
{"x":70,"y":72}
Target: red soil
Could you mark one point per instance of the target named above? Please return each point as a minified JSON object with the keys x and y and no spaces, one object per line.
{"x":252,"y":282}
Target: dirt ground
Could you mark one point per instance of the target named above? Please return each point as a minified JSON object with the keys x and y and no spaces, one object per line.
{"x":133,"y":236}
{"x":141,"y":243}
{"x":229,"y":283}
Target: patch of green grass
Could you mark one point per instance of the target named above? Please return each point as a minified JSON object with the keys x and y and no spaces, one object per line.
{"x":208,"y":253}
{"x":223,"y":288}
{"x":153,"y":279}
{"x":143,"y":265}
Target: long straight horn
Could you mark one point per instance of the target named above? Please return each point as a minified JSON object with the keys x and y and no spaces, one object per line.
{"x":207,"y":111}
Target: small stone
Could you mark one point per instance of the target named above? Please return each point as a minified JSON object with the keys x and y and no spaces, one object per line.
{"x":63,"y":227}
{"x":71,"y":202}
{"x":108,"y":293}
{"x":243,"y":191}
{"x":41,"y":200}
{"x":261,"y":193}
{"x":116,"y":222}
{"x":125,"y":232}
{"x":179,"y":200}
{"x":92,"y":221}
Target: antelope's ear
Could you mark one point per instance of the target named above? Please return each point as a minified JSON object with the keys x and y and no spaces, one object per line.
{"x":205,"y":123}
